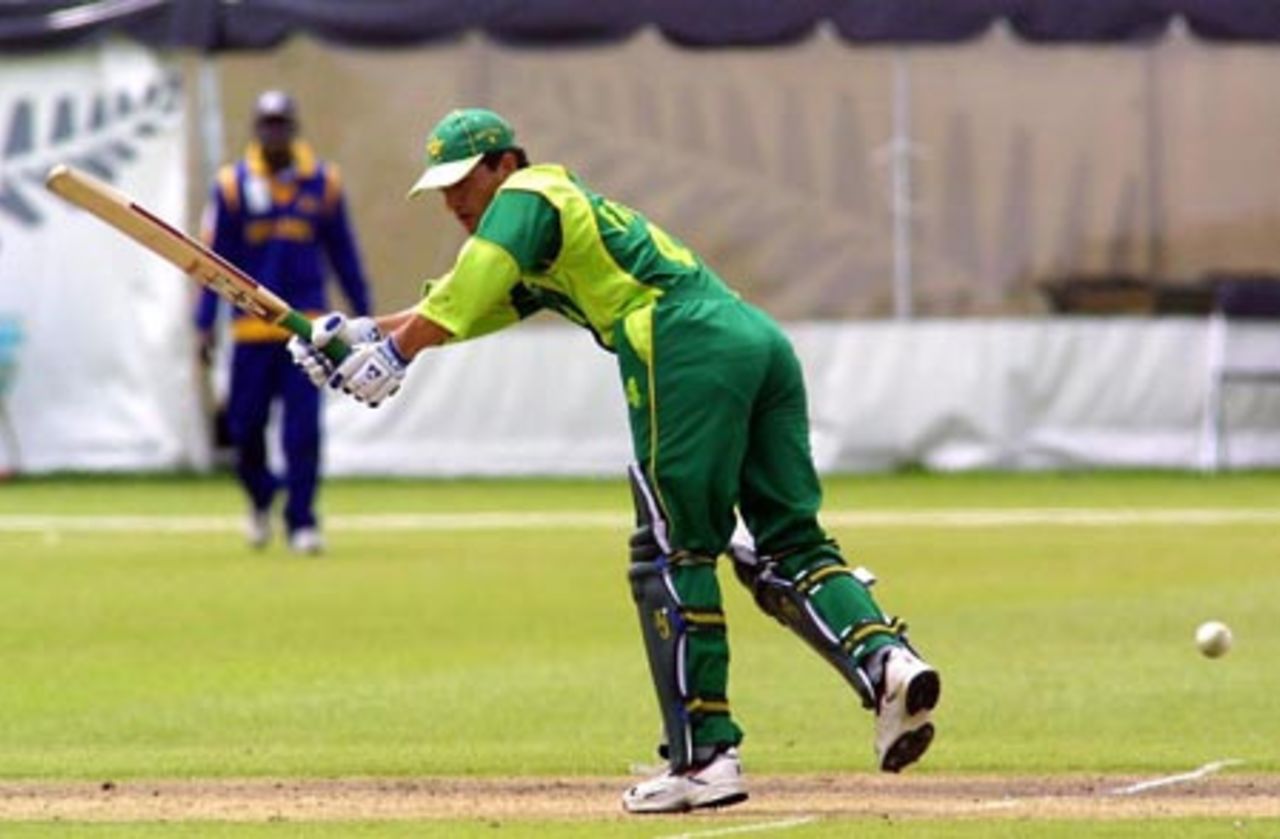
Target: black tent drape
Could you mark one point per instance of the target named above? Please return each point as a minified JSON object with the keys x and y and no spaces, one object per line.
{"x":215,"y":25}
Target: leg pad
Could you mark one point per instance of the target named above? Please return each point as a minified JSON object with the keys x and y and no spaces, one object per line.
{"x":676,"y":634}
{"x":791,"y":602}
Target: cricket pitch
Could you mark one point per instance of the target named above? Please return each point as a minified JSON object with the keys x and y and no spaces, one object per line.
{"x":818,"y":797}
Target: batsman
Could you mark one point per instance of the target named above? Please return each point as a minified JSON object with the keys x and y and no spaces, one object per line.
{"x":720,"y":430}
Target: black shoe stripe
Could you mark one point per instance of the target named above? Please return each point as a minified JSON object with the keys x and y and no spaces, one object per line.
{"x":727,"y":801}
{"x":923,"y":692}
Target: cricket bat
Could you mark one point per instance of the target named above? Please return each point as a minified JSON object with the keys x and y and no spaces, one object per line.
{"x":193,"y":258}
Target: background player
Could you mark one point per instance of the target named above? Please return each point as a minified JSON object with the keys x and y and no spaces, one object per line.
{"x":279,"y":214}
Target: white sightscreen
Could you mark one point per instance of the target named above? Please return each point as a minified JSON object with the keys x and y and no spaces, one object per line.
{"x":98,"y":349}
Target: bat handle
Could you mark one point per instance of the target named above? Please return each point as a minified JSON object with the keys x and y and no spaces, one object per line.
{"x":336,"y":349}
{"x":297,"y":323}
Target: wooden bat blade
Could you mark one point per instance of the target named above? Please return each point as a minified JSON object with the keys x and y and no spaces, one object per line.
{"x":188,"y":254}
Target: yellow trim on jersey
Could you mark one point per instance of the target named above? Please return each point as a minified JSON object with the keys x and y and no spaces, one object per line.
{"x":601,"y":288}
{"x":305,"y":161}
{"x":229,"y":186}
{"x":283,"y":192}
{"x":291,"y":229}
{"x":638,"y":327}
{"x":645,"y":338}
{"x":332,"y":186}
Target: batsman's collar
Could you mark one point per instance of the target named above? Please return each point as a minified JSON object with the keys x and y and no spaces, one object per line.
{"x":457,"y":143}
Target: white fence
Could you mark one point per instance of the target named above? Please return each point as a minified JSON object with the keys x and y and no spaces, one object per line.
{"x":945,"y":394}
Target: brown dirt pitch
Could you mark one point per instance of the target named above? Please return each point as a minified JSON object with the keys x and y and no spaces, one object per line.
{"x":518,"y":799}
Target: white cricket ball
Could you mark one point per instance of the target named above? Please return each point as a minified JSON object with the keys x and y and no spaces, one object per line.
{"x":1213,"y":638}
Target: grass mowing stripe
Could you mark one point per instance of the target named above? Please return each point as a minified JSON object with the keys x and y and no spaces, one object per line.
{"x":591,"y":520}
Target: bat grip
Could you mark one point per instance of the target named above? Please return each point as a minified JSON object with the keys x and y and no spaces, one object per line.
{"x":297,"y":323}
{"x":336,"y":349}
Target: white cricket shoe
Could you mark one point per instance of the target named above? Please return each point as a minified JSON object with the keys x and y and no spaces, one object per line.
{"x":306,"y":540}
{"x":257,"y":528}
{"x":908,"y":696}
{"x":717,"y":784}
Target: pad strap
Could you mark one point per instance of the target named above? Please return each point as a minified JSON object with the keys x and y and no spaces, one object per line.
{"x":792,"y":603}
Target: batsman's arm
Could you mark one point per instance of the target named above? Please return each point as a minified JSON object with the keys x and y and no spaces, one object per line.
{"x":408,"y":328}
{"x":414,"y":332}
{"x":193,"y":258}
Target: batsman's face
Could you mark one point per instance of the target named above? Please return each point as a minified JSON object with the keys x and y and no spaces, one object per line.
{"x":470,"y":197}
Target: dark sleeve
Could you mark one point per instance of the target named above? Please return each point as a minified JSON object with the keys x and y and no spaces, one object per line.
{"x":340,"y":245}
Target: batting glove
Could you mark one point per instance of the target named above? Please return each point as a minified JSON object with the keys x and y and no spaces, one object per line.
{"x":372,"y":373}
{"x":307,"y":354}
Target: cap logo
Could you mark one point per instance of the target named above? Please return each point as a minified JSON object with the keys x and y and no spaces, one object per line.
{"x":456,"y":142}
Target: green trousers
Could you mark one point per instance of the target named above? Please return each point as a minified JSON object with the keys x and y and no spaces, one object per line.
{"x":719,"y":422}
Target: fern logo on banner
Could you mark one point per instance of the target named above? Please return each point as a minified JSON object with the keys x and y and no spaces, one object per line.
{"x":98,"y":129}
{"x":75,"y":297}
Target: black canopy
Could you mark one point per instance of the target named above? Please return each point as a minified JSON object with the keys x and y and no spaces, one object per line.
{"x":215,"y":25}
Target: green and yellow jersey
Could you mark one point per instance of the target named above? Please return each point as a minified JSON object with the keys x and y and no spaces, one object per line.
{"x":548,"y":242}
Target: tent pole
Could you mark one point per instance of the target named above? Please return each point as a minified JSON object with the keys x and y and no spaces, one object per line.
{"x":1153,"y":155}
{"x":212,"y":381}
{"x":900,"y":158}
{"x":209,"y":99}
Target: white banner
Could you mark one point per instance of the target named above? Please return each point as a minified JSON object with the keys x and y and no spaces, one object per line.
{"x":95,"y":344}
{"x":1048,"y":393}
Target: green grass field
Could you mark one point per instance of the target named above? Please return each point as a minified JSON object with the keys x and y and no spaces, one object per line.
{"x":135,"y":648}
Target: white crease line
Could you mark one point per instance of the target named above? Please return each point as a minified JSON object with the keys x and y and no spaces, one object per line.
{"x":1132,"y":789}
{"x":1207,"y":769}
{"x":745,"y":828}
{"x":604,"y":520}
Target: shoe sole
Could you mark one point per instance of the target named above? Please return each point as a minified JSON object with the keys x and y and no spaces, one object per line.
{"x":688,"y":806}
{"x":727,"y":801}
{"x":923,"y":692}
{"x":907,"y":749}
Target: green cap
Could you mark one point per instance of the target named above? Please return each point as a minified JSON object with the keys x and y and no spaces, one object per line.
{"x":457,"y":143}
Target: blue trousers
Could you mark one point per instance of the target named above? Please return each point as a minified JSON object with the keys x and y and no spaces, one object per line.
{"x":261,"y":373}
